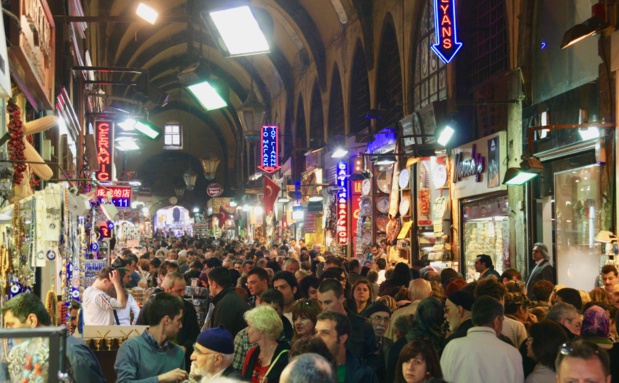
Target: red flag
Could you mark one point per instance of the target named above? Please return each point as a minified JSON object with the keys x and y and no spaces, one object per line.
{"x":271,"y":192}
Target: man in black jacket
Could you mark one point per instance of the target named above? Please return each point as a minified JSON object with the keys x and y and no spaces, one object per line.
{"x":175,"y":283}
{"x":361,"y":341}
{"x":334,"y":329}
{"x":229,"y":306}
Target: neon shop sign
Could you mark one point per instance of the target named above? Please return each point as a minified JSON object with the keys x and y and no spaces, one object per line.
{"x":105,"y":149}
{"x":342,"y":204}
{"x":120,"y":196}
{"x":269,"y":149}
{"x":446,"y":31}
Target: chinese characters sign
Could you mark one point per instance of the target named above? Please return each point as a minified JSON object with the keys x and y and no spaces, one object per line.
{"x":120,"y":196}
{"x":447,"y":44}
{"x":342,"y":204}
{"x":105,"y":149}
{"x":269,"y":149}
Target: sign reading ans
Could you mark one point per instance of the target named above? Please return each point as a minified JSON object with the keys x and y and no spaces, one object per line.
{"x":105,"y":149}
{"x":447,"y":44}
{"x":269,"y":149}
{"x":120,"y":196}
{"x":342,"y":204}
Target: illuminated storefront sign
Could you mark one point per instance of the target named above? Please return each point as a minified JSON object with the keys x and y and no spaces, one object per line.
{"x":269,"y":149}
{"x":447,"y":44}
{"x":473,"y":166}
{"x":355,"y":208}
{"x":120,"y":196}
{"x":105,"y":149}
{"x":342,"y":204}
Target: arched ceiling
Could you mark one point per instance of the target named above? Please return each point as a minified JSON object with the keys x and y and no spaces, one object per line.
{"x":302,"y":29}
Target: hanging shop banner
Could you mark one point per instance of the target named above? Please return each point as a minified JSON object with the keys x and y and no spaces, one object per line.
{"x":477,"y":166}
{"x":105,"y":149}
{"x":446,"y":30}
{"x":342,"y":204}
{"x":355,"y":208}
{"x":119,"y":196}
{"x":32,"y":52}
{"x":269,"y":149}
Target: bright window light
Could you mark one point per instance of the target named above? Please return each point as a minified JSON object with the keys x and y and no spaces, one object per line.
{"x":240,"y":31}
{"x":339,"y":153}
{"x":147,"y":129}
{"x":207,"y":96}
{"x":521,"y":178}
{"x":147,"y":13}
{"x":128,"y":125}
{"x":445,"y":136}
{"x":589,"y":133}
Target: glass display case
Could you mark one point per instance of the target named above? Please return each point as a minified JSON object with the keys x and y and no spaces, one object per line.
{"x":25,"y":355}
{"x":485,"y":230}
{"x":579,"y":213}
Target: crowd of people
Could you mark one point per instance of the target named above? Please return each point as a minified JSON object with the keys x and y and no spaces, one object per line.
{"x":293,"y":314}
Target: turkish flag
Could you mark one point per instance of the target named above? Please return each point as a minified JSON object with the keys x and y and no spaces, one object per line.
{"x":271,"y":192}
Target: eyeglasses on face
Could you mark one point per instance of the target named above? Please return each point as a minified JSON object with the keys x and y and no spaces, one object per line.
{"x":379,"y":319}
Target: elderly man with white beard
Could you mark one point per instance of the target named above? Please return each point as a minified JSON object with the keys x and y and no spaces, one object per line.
{"x":212,"y":356}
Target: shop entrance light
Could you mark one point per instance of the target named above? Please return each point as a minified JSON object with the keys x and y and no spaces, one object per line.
{"x":237,"y":31}
{"x":385,"y":160}
{"x":339,"y":153}
{"x":529,"y":168}
{"x":445,"y":135}
{"x":147,"y":12}
{"x":580,"y":32}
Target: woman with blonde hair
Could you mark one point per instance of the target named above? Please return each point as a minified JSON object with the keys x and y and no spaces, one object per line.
{"x":265,"y":362}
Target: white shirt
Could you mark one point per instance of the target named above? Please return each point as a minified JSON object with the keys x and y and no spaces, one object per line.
{"x":381,"y":277}
{"x":124,"y":315}
{"x":481,"y":357}
{"x":515,"y":331}
{"x":99,"y":307}
{"x":541,"y":374}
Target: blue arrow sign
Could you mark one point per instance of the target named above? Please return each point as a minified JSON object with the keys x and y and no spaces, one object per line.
{"x":447,"y":44}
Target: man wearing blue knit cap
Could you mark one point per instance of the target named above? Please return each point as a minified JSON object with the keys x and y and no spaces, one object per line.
{"x":213,"y":354}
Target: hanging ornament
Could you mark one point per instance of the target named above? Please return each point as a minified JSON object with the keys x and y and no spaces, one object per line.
{"x":16,"y":143}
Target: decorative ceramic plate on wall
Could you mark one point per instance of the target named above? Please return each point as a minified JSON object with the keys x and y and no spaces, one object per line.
{"x":382,"y":205}
{"x":405,"y":204}
{"x":404,"y":179}
{"x":383,"y":181}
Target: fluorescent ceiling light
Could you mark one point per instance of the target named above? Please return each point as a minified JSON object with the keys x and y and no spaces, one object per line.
{"x":589,"y":133}
{"x":316,"y":198}
{"x":147,"y":129}
{"x":207,"y":96}
{"x":240,"y":31}
{"x":233,"y":203}
{"x":283,"y":199}
{"x":339,"y":153}
{"x":135,"y":183}
{"x":128,"y":125}
{"x":147,"y":13}
{"x":126,"y":144}
{"x":196,"y":209}
{"x":445,"y":135}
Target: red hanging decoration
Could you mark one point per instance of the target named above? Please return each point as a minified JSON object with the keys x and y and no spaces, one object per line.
{"x":16,"y":142}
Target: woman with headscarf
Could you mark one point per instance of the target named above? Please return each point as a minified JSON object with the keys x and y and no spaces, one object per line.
{"x":596,"y":327}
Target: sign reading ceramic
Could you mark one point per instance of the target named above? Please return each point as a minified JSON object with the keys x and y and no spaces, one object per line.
{"x":446,"y":31}
{"x":120,"y":196}
{"x":342,"y":204}
{"x":214,"y":190}
{"x":269,"y":149}
{"x":105,"y":149}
